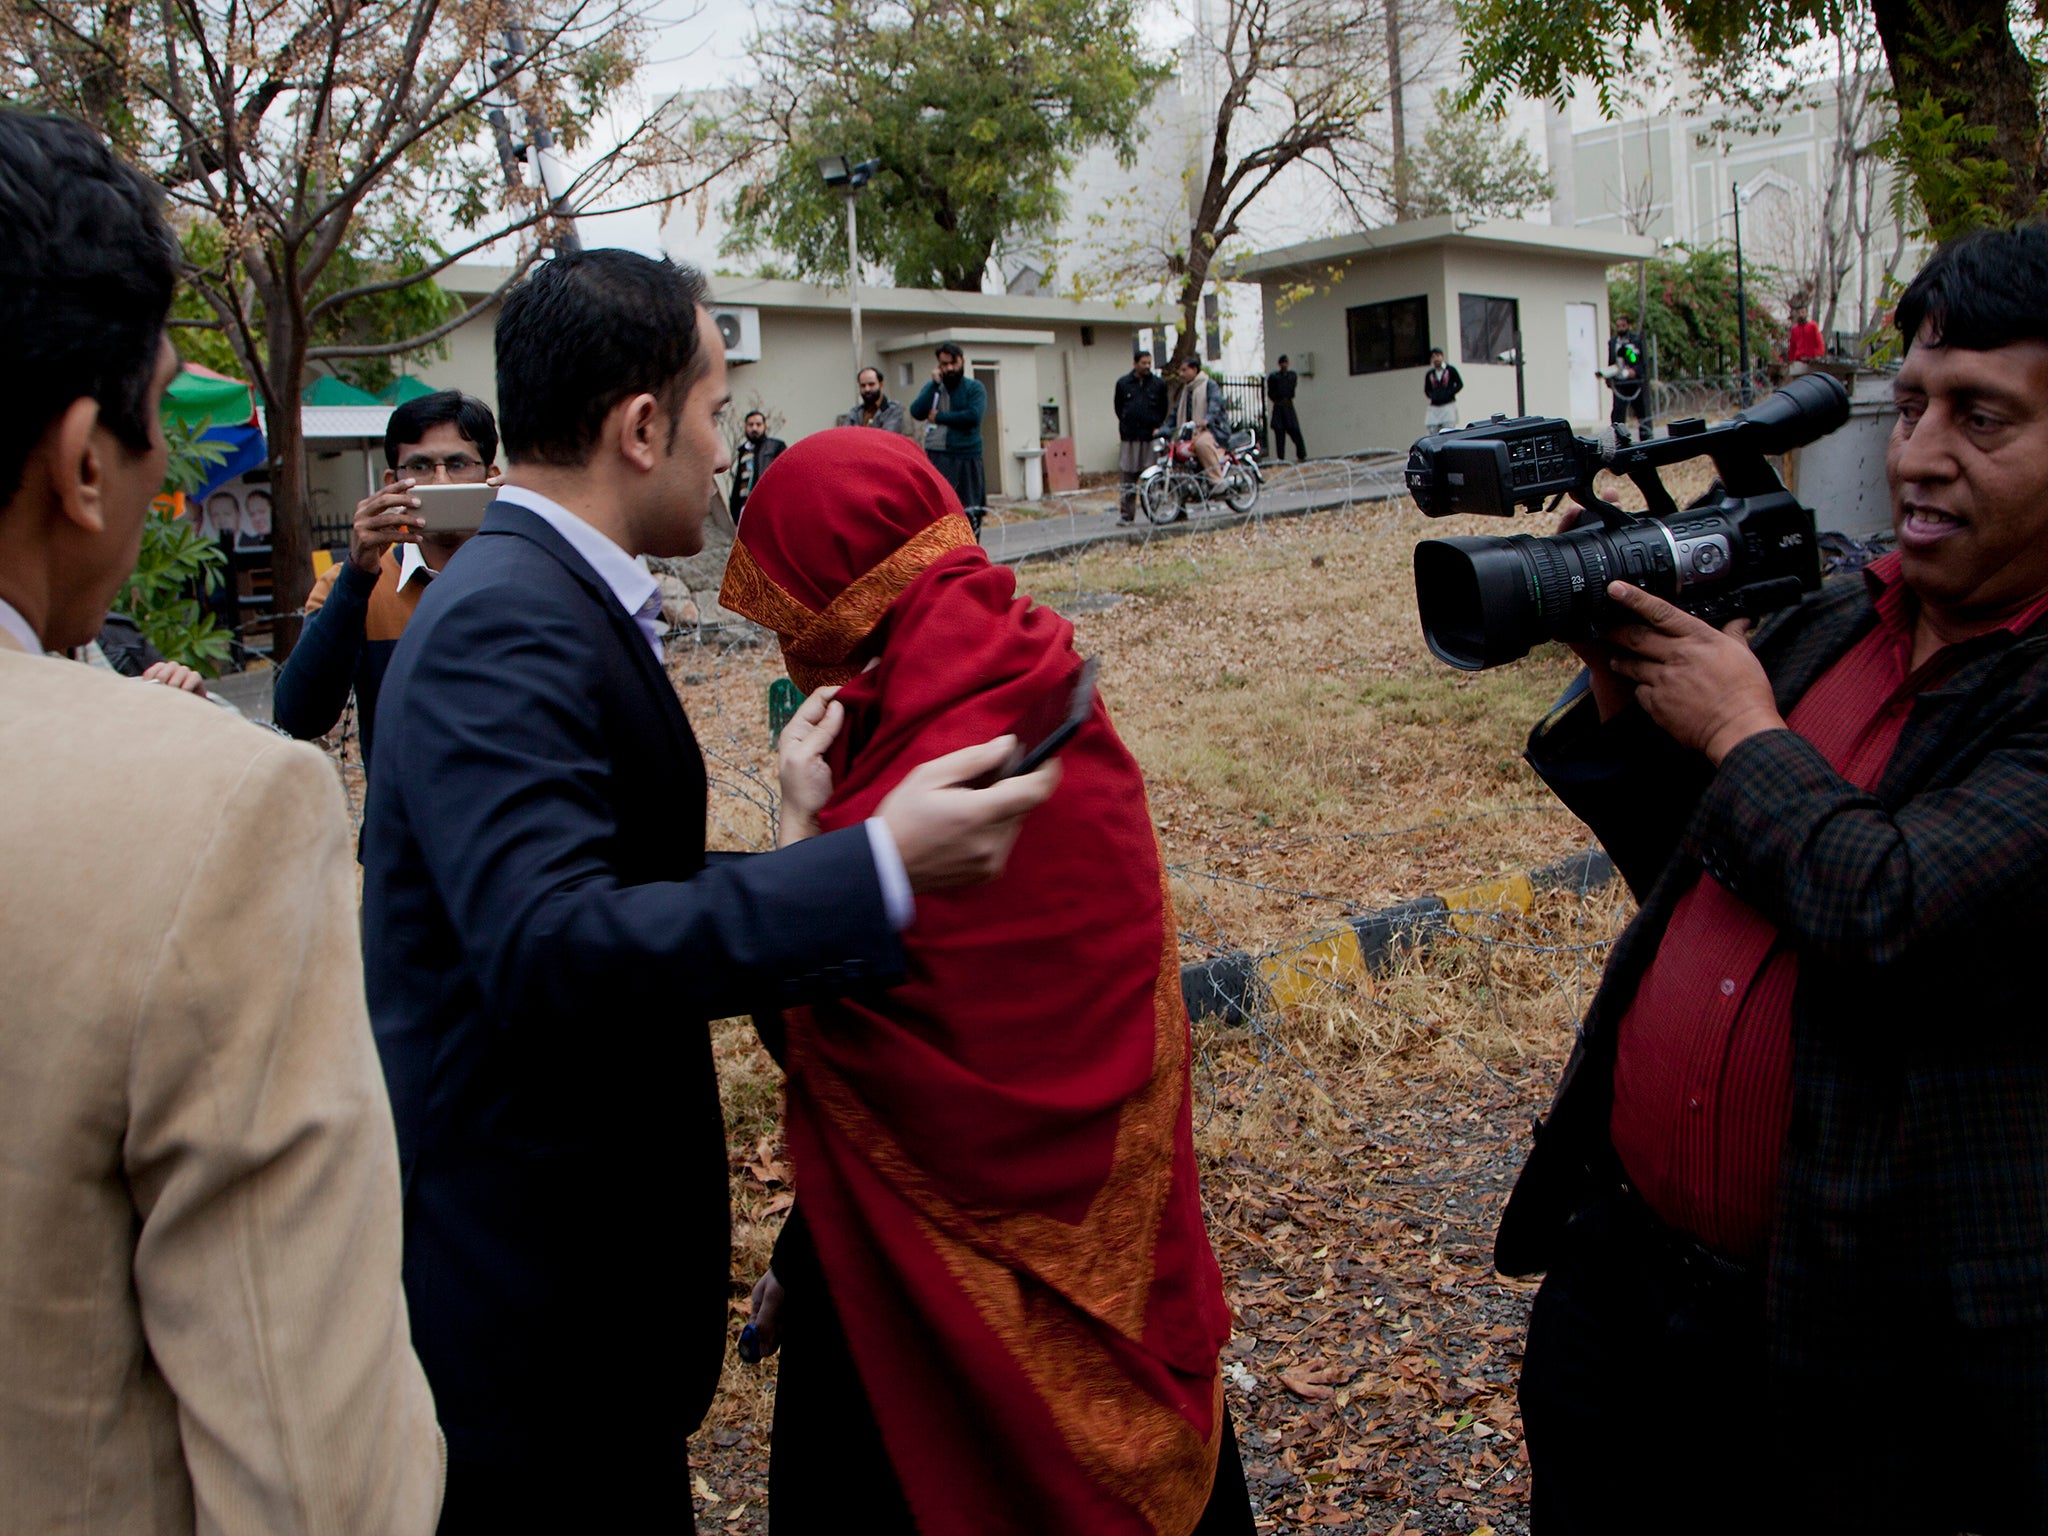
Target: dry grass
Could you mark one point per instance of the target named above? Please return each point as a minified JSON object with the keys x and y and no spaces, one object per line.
{"x":1306,"y":759}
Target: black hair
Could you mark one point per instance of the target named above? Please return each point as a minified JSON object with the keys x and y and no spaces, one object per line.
{"x":752,"y":414}
{"x":868,"y":368}
{"x":87,"y":265}
{"x":948,"y":349}
{"x":414,"y":419}
{"x":1980,"y":291}
{"x":1141,"y":352}
{"x":1283,"y":357}
{"x":587,"y":330}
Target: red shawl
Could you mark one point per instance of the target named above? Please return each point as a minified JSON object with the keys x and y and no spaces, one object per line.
{"x":995,"y":1156}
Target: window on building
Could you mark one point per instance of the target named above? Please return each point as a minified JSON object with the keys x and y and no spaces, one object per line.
{"x":1390,"y":335}
{"x":1087,"y":335}
{"x":1486,"y":327}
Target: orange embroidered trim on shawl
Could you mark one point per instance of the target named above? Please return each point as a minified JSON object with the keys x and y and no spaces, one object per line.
{"x":1136,"y":1447}
{"x":815,"y":646}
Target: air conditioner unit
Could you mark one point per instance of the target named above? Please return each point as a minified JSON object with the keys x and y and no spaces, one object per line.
{"x":740,"y":326}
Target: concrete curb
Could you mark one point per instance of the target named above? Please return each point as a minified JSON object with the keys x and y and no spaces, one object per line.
{"x":1232,"y":986}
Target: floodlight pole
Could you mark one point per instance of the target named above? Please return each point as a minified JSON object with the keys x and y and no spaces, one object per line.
{"x":853,"y":276}
{"x":1741,"y":299}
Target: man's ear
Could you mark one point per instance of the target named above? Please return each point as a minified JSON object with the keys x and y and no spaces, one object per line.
{"x":390,"y":477}
{"x":78,"y":472}
{"x":643,"y":431}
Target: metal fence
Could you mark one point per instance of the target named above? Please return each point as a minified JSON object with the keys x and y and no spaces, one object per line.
{"x":1715,"y":396}
{"x":1245,"y":399}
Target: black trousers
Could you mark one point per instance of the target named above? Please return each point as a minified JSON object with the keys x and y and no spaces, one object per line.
{"x":1643,"y":1388}
{"x":1637,"y":405}
{"x":827,"y":1468}
{"x":1285,"y":425}
{"x":1647,"y":1406}
{"x":965,"y":473}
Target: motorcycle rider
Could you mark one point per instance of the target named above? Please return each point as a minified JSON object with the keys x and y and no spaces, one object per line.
{"x":1201,"y":406}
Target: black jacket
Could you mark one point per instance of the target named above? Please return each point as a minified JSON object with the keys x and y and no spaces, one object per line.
{"x":1140,"y":406}
{"x":1280,"y":384}
{"x":749,"y":464}
{"x":545,"y":942}
{"x":1913,"y":1185}
{"x":1442,"y":391}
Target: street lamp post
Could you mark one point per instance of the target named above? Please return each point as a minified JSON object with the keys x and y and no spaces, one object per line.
{"x":849,"y":178}
{"x":1741,"y":298}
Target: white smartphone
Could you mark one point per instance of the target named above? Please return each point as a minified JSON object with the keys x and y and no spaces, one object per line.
{"x":454,"y":508}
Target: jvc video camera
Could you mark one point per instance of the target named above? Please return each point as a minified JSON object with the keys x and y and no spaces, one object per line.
{"x":1745,"y":549}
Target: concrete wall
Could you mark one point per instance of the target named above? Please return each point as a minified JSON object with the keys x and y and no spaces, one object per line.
{"x":1342,"y":412}
{"x":1544,"y":285}
{"x":804,"y":379}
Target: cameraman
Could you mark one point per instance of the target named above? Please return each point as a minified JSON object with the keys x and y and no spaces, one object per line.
{"x":1792,"y":1197}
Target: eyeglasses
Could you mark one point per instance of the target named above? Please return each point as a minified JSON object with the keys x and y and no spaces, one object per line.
{"x":459,"y":466}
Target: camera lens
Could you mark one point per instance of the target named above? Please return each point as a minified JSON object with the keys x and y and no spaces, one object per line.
{"x":1489,"y":601}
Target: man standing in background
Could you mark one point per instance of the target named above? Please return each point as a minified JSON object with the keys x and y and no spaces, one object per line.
{"x":1804,"y":344}
{"x":875,"y":408}
{"x":1628,"y":375}
{"x":756,"y":452}
{"x":954,"y":405}
{"x":1280,"y":385}
{"x":1141,"y":409}
{"x":1440,"y":388}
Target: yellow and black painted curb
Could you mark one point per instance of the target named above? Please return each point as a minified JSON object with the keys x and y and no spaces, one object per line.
{"x":1231,"y":986}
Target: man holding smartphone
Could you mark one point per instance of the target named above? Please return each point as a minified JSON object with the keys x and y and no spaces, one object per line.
{"x":359,"y":607}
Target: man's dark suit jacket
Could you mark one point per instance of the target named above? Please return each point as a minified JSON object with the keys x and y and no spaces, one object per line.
{"x":1911,"y":1234}
{"x":545,"y":942}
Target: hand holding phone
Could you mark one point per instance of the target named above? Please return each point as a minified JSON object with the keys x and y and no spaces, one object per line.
{"x":1042,"y":732}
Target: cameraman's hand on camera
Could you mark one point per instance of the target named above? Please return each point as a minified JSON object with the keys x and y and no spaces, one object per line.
{"x":949,"y":835}
{"x":800,"y":767}
{"x":1701,"y":685}
{"x":387,"y":518}
{"x":1612,"y":693}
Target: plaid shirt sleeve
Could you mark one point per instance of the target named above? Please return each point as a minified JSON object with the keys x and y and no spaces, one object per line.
{"x":1846,"y":878}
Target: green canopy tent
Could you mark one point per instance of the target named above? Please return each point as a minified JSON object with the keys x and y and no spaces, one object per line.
{"x":332,"y":391}
{"x":404,"y":388}
{"x":198,"y":397}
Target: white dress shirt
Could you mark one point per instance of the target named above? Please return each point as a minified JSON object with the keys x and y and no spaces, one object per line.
{"x":412,"y":563}
{"x":635,"y":588}
{"x":17,"y":629}
{"x":628,"y":579}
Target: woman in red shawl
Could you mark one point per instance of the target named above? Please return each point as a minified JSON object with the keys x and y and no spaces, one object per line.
{"x":1001,"y":1311}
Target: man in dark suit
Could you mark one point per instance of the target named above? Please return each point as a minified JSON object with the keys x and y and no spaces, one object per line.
{"x":1792,"y":1198}
{"x":547,"y":936}
{"x":1281,"y":384}
{"x":757,"y":451}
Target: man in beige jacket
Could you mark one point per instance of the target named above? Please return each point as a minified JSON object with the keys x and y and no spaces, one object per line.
{"x":201,"y":1325}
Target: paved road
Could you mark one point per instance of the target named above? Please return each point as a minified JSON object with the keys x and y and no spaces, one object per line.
{"x":1317,"y":487}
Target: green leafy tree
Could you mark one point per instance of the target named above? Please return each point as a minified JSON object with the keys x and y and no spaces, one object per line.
{"x":1966,"y":75}
{"x":307,"y":145}
{"x":1467,"y":166}
{"x":1691,"y":310}
{"x":975,"y":108}
{"x":177,"y":563}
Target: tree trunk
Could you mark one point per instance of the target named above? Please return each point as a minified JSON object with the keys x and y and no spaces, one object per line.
{"x":1397,"y":111}
{"x":1973,"y":68}
{"x":291,"y":515}
{"x":1188,"y":344}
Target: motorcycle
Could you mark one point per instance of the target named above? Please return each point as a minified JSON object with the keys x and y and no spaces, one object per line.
{"x":1177,"y":481}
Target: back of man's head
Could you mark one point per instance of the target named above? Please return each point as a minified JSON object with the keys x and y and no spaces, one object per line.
{"x":413,"y":420}
{"x":87,"y":266}
{"x":585,"y":331}
{"x":1980,"y":292}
